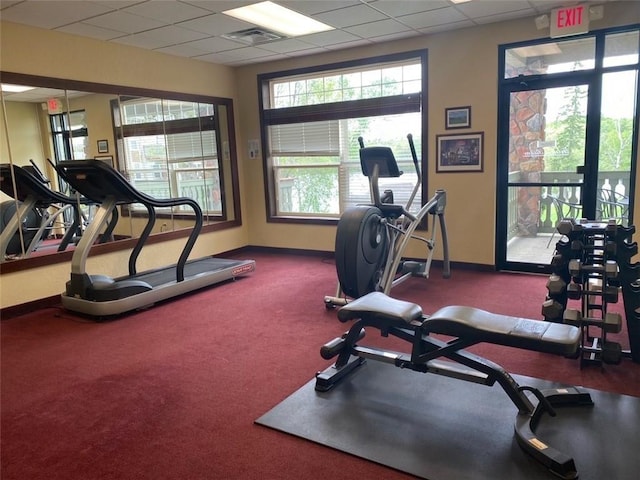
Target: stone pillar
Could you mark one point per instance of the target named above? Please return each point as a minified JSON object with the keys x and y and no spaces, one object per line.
{"x":526,"y":156}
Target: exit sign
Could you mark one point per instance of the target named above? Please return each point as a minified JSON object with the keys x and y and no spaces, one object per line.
{"x":569,"y":21}
{"x":54,"y":106}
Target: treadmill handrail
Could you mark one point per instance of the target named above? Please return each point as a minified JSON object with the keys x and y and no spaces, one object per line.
{"x":98,"y":181}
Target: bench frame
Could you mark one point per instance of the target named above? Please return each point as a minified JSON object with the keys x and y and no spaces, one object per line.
{"x":405,"y":321}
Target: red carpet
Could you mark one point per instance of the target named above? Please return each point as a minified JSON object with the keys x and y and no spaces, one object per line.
{"x":172,"y":392}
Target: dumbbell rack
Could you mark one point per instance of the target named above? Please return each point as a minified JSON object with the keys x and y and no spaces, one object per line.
{"x":587,"y":272}
{"x":629,"y":277}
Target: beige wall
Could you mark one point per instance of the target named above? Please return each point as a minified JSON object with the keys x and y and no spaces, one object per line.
{"x":462,"y":71}
{"x":97,"y":109}
{"x":25,"y":135}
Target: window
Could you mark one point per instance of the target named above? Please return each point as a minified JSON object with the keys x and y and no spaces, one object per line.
{"x":550,"y":57}
{"x":311,"y":123}
{"x":70,"y":135}
{"x":170,"y":149}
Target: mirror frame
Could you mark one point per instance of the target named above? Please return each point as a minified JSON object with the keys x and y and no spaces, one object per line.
{"x":67,"y":84}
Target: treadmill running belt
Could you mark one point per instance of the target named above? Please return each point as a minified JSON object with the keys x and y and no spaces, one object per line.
{"x":191,"y":269}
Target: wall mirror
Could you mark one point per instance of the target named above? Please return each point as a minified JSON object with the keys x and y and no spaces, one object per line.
{"x":167,"y":144}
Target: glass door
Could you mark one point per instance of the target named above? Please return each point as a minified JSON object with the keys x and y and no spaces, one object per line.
{"x":567,"y":140}
{"x":616,"y":146}
{"x":547,"y":145}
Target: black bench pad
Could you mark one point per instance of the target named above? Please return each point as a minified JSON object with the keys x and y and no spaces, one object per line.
{"x":505,"y":330}
{"x":469,"y":323}
{"x":379,"y":306}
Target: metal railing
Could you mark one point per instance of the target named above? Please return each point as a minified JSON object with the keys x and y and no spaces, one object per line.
{"x":555,"y":190}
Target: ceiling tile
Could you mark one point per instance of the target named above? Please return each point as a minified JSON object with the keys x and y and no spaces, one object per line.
{"x":345,"y":45}
{"x":286,"y":46}
{"x":376,"y":29}
{"x":485,"y":8}
{"x":396,"y":36}
{"x":350,"y":16}
{"x":5,"y":4}
{"x":394,"y":8}
{"x":331,"y":37}
{"x":307,"y":7}
{"x":161,"y":37}
{"x":116,"y":4}
{"x":448,"y":27}
{"x":168,"y":12}
{"x":182,"y":50}
{"x":43,"y":14}
{"x":215,"y":44}
{"x":217,"y":24}
{"x":547,"y":5}
{"x":505,"y":16}
{"x":91,"y":31}
{"x":218,"y":6}
{"x":247,"y":53}
{"x":432,"y":18}
{"x":124,"y":22}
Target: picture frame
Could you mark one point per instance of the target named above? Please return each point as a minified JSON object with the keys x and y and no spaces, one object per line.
{"x":457,"y":117}
{"x":103,"y":146}
{"x":460,"y":153}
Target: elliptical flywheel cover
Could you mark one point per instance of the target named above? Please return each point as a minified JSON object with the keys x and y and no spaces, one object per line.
{"x":360,"y":249}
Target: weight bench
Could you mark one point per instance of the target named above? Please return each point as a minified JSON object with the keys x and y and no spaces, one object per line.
{"x":468,"y":326}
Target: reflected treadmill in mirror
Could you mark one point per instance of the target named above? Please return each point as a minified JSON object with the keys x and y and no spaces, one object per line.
{"x":35,"y":211}
{"x":196,"y":130}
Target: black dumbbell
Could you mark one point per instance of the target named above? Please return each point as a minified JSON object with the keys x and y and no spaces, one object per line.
{"x":574,"y":291}
{"x":571,"y":316}
{"x":611,"y":353}
{"x":612,"y":322}
{"x":566,"y":226}
{"x":611,"y":294}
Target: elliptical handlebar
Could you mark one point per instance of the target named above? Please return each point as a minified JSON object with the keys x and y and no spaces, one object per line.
{"x":414,"y":156}
{"x":416,"y":166}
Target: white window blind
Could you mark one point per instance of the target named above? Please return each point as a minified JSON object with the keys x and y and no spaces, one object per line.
{"x":311,"y":138}
{"x":192,"y":146}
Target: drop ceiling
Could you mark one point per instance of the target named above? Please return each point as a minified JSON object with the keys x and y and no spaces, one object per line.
{"x":197,"y":28}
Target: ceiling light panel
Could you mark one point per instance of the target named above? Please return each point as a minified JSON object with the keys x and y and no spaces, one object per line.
{"x":8,"y":87}
{"x":279,"y":19}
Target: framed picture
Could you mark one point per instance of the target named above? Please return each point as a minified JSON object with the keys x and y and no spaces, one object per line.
{"x":460,"y":153}
{"x":103,"y":146}
{"x":457,"y":117}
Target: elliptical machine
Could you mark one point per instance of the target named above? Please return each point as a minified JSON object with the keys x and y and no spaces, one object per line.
{"x":371,"y":239}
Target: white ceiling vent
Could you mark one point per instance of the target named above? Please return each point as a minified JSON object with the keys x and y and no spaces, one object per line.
{"x":254,"y":36}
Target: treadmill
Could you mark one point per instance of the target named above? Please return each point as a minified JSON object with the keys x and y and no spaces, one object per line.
{"x":103,"y":296}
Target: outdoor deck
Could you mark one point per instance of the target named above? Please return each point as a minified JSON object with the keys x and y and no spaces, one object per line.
{"x":532,"y":249}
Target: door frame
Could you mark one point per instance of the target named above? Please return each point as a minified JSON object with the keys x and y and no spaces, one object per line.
{"x":589,"y":188}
